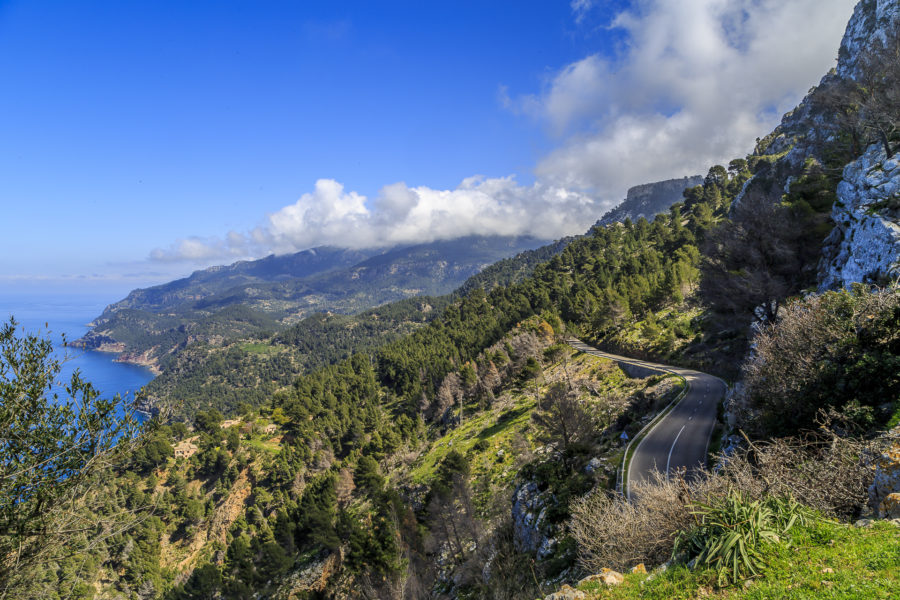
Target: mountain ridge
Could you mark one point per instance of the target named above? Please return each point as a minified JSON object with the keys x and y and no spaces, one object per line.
{"x":465,"y":459}
{"x":251,"y":298}
{"x":649,"y":199}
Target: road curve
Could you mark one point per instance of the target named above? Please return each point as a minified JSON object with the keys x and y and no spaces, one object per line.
{"x":680,"y":440}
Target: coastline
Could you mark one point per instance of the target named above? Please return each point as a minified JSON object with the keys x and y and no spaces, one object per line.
{"x":139,"y":360}
{"x":101,"y":343}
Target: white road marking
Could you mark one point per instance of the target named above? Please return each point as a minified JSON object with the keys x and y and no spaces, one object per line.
{"x":669,"y":460}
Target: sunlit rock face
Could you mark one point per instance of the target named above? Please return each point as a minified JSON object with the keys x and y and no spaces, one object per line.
{"x":649,"y":199}
{"x":884,"y":493}
{"x":864,"y":246}
{"x":868,"y":26}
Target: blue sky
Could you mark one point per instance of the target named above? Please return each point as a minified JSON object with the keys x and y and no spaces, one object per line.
{"x":142,"y":140}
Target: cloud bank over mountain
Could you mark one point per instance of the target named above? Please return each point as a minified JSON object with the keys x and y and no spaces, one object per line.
{"x":330,"y":215}
{"x":694,"y":84}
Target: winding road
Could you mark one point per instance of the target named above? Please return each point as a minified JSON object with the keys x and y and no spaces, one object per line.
{"x":680,"y":440}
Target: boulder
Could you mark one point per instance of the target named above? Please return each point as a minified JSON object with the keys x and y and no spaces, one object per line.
{"x":606,"y":576}
{"x":595,"y":465}
{"x":567,"y":592}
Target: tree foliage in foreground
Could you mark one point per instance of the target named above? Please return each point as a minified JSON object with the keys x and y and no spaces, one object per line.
{"x":767,"y":251}
{"x":55,"y":440}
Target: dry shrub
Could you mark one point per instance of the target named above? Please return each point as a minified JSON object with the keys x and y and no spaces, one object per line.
{"x":828,"y":475}
{"x":612,"y":532}
{"x":837,"y":352}
{"x":825,"y":473}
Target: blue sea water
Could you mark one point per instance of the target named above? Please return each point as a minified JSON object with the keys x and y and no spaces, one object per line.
{"x":58,"y":315}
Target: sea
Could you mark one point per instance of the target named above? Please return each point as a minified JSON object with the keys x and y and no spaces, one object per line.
{"x":58,"y":315}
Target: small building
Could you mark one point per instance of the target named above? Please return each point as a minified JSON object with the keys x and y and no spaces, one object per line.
{"x":230,"y":423}
{"x":185,"y":449}
{"x":270,"y":428}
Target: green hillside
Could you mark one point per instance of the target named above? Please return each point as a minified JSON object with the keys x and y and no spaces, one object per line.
{"x":456,"y":447}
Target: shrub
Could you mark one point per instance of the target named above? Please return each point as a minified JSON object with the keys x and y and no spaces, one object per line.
{"x":731,"y":531}
{"x":825,"y":474}
{"x":614,"y":533}
{"x":836,"y":352}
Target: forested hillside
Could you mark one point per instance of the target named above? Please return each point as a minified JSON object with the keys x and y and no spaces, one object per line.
{"x":258,"y":298}
{"x":393,"y":472}
{"x":243,"y":374}
{"x":355,"y":468}
{"x":457,"y":447}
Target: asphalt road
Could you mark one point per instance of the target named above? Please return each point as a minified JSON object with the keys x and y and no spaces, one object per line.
{"x":680,"y":440}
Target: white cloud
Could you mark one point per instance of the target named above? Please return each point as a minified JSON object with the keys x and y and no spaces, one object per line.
{"x":580,"y":8}
{"x":203,"y":250}
{"x":694,"y":84}
{"x":329,"y":215}
{"x":697,"y":82}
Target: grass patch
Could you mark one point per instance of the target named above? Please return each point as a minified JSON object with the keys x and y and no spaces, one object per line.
{"x":663,"y":333}
{"x":894,"y":420}
{"x":497,"y":441}
{"x":496,"y":426}
{"x":259,"y":348}
{"x":820,"y":560}
{"x":263,"y":446}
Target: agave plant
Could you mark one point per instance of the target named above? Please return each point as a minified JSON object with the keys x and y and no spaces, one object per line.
{"x":731,"y":531}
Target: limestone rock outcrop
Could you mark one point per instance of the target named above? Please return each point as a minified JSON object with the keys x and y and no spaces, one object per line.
{"x":868,"y":25}
{"x":864,"y":246}
{"x":884,"y":493}
{"x":532,"y":532}
{"x":649,"y":199}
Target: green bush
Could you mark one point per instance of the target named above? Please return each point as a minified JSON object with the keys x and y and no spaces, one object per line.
{"x":730,"y":533}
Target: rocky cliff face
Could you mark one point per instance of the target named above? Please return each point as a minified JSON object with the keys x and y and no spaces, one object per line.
{"x":649,"y":199}
{"x":871,"y":21}
{"x":864,"y":246}
{"x":529,"y":512}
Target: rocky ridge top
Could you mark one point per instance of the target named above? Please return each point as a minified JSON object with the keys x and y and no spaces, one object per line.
{"x":649,"y":199}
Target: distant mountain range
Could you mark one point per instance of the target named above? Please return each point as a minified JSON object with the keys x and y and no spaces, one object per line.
{"x":255,"y":299}
{"x":259,"y":297}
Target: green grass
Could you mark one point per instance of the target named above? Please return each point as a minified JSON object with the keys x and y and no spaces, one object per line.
{"x":263,"y":446}
{"x":494,"y":440}
{"x":664,"y":332}
{"x":259,"y":348}
{"x":820,"y":560}
{"x":894,"y":420}
{"x":497,"y":426}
